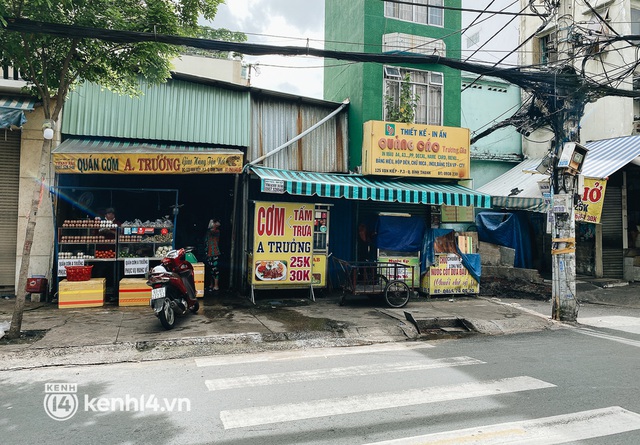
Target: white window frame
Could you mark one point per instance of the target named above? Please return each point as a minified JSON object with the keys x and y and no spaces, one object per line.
{"x":435,"y":81}
{"x":414,"y":12}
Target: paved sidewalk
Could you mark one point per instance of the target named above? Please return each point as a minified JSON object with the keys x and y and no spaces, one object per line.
{"x":227,"y":324}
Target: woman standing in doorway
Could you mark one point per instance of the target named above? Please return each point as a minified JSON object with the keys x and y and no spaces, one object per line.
{"x":212,"y":251}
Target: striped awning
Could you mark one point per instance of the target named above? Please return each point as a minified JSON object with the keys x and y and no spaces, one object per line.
{"x":12,"y":110}
{"x":359,"y":187}
{"x":607,"y":156}
{"x":518,"y":189}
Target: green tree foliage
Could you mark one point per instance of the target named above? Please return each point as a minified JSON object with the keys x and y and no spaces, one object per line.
{"x":53,"y":65}
{"x":215,"y":34}
{"x":402,"y":110}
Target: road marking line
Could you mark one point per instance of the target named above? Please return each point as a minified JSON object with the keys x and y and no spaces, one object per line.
{"x":263,"y":415}
{"x":615,"y":322}
{"x":545,"y":431}
{"x":622,"y":340}
{"x":332,"y":373}
{"x":307,"y":353}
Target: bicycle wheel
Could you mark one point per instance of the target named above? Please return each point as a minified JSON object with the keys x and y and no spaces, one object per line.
{"x":396,"y":294}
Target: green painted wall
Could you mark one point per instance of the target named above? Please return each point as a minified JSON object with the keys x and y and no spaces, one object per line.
{"x":358,"y":25}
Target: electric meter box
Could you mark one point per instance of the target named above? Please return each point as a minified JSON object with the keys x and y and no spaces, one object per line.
{"x":572,"y":158}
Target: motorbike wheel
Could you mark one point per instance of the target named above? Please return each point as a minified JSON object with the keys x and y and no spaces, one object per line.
{"x":194,"y":309}
{"x":167,"y":316}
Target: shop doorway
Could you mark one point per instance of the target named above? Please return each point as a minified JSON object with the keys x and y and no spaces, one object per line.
{"x":199,"y":198}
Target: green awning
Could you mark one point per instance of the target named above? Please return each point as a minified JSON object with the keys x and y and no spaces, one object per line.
{"x":12,"y":110}
{"x":360,"y":187}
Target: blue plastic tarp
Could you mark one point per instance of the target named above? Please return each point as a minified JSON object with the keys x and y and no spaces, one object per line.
{"x":400,"y":233}
{"x":11,"y":116}
{"x":509,"y":230}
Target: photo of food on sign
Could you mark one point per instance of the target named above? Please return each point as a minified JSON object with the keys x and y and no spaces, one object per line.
{"x":271,"y":270}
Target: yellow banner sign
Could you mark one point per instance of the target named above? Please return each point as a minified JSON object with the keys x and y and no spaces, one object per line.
{"x":589,"y":209}
{"x":449,"y":276}
{"x":422,"y":151}
{"x":147,"y":163}
{"x":283,"y":244}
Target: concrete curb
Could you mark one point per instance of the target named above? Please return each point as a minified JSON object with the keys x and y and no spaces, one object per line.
{"x":140,"y":351}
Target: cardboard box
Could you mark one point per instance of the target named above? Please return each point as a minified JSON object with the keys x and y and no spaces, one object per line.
{"x":198,"y":277}
{"x":77,"y":294}
{"x":134,"y":292}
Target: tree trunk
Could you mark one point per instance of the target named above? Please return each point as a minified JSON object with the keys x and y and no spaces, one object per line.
{"x":38,"y":193}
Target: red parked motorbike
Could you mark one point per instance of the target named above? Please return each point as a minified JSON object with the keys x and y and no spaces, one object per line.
{"x":173,"y":290}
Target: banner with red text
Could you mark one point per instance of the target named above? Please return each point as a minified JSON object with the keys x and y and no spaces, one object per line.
{"x":589,"y":208}
{"x":283,"y":244}
{"x":411,"y":150}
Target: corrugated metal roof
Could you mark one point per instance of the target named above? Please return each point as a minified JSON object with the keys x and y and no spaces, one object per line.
{"x":174,"y":111}
{"x":276,"y":121}
{"x":516,"y":189}
{"x":363,"y":188}
{"x":607,"y":156}
{"x":87,"y":145}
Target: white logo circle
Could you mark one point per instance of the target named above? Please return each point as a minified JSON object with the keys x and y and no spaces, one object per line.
{"x":60,"y":406}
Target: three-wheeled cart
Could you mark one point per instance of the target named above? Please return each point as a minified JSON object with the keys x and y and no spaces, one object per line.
{"x":375,"y":278}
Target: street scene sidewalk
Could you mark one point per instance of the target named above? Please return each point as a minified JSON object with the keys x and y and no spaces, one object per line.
{"x":229,"y":324}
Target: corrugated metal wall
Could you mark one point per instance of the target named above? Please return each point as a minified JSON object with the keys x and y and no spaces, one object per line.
{"x":611,"y":220}
{"x":276,"y":121}
{"x":174,"y":111}
{"x":9,"y":180}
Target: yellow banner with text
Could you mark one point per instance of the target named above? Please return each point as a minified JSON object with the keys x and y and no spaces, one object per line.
{"x":147,"y":163}
{"x":422,"y":151}
{"x":283,"y":244}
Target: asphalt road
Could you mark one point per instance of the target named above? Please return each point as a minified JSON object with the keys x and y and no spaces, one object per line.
{"x":574,"y":385}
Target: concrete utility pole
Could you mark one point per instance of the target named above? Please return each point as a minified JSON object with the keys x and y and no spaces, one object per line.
{"x":563,"y":186}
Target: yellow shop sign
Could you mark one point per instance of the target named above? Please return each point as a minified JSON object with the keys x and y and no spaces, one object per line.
{"x":421,"y":151}
{"x":147,"y":163}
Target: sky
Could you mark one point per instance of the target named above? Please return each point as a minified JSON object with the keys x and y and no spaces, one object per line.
{"x":282,"y":23}
{"x":292,"y":22}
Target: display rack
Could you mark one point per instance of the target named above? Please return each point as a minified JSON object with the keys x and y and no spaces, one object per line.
{"x":144,"y":242}
{"x":93,"y":241}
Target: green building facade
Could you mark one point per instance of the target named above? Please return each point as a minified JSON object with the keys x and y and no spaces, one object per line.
{"x":374,"y":26}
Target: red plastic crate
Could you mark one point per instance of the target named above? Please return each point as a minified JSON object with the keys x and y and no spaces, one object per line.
{"x":78,"y":273}
{"x":36,"y":285}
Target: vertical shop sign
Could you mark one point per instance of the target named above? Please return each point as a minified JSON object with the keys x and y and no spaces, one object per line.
{"x":283,"y":243}
{"x":589,"y":209}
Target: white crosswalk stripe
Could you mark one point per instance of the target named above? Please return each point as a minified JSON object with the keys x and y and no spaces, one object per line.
{"x":603,"y":336}
{"x":307,"y":353}
{"x":546,"y":431}
{"x":333,"y":373}
{"x":615,"y":322}
{"x":263,"y":415}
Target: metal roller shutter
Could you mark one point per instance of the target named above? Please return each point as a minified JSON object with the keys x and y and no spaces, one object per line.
{"x":612,"y":252}
{"x":9,"y":182}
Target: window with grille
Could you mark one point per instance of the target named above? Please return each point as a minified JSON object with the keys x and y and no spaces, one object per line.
{"x":427,"y":86}
{"x":548,"y":49}
{"x":426,"y":12}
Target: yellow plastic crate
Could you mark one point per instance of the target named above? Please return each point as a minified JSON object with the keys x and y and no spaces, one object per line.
{"x":77,"y":294}
{"x":134,"y":292}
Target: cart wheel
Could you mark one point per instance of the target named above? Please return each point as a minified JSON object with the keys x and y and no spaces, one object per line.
{"x":396,"y":294}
